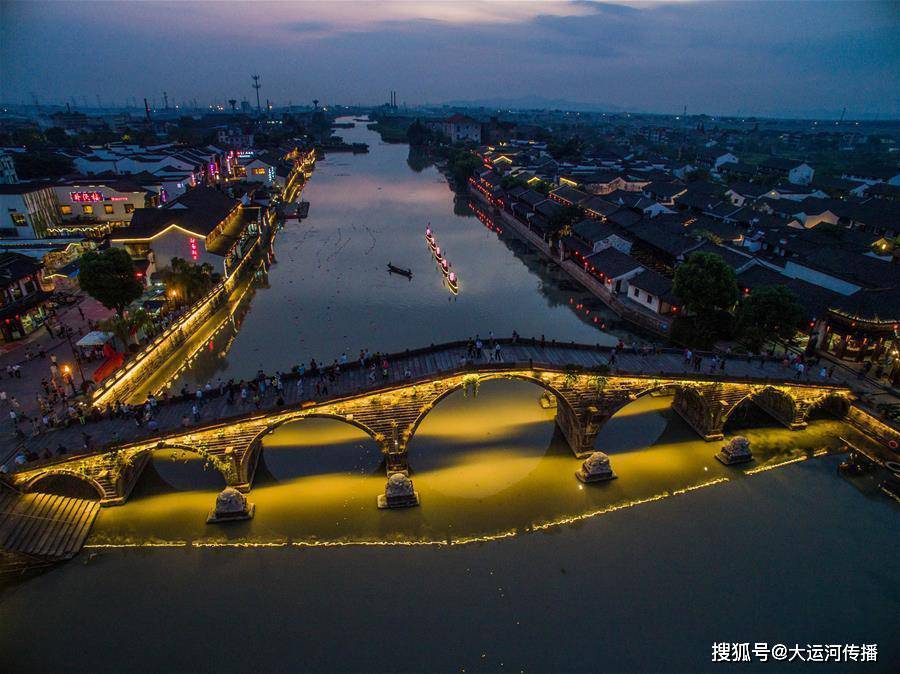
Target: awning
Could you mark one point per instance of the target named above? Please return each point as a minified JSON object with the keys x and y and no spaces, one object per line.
{"x":95,"y":338}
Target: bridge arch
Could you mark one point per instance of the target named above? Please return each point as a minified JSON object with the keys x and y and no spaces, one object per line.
{"x":408,"y":433}
{"x":33,"y":483}
{"x":777,"y":402}
{"x":834,"y":403}
{"x":253,"y":449}
{"x":636,"y":395}
{"x":211,"y":458}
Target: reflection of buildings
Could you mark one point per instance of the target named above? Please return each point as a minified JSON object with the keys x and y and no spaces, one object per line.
{"x":23,"y":301}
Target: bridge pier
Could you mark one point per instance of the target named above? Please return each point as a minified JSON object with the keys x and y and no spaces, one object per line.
{"x":580,"y":431}
{"x":707,"y":418}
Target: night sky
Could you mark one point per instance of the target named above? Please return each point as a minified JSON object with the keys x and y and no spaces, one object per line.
{"x":763,"y":58}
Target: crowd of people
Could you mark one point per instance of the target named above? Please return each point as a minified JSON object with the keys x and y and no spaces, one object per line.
{"x":310,"y":382}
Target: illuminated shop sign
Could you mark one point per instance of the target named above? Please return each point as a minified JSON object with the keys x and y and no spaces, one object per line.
{"x":86,"y":197}
{"x":195,"y":250}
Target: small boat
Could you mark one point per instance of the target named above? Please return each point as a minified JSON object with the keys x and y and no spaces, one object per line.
{"x":445,"y":267}
{"x":438,"y":255}
{"x":453,"y":282}
{"x":429,"y":237}
{"x":392,"y":269}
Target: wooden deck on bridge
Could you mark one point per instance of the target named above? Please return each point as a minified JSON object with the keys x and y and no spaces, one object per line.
{"x":45,"y":527}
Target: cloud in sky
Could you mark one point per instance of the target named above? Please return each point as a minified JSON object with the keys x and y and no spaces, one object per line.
{"x":717,"y":57}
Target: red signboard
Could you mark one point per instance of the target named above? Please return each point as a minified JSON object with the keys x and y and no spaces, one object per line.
{"x":82,"y":197}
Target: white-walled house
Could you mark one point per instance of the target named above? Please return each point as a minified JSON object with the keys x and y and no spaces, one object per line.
{"x":96,"y":207}
{"x":27,"y":210}
{"x":204,"y":225}
{"x":797,"y":172}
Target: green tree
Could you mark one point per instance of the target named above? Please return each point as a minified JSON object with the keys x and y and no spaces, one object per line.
{"x":705,"y":285}
{"x":561,"y":222}
{"x":109,"y":278}
{"x":189,"y":281}
{"x":461,"y":165}
{"x":57,"y":136}
{"x":697,"y":174}
{"x":418,"y":133}
{"x":768,"y":313}
{"x":34,"y":165}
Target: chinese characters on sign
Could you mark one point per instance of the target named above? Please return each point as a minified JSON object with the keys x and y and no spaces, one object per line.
{"x":195,"y":251}
{"x":84,"y":197}
{"x":764,"y":652}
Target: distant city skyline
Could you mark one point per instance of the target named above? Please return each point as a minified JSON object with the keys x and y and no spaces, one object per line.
{"x":798,"y":59}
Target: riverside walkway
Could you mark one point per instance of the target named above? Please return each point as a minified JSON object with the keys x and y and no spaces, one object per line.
{"x":716,"y":390}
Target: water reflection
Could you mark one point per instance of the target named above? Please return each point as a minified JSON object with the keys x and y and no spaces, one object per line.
{"x":330,"y":292}
{"x":483,"y":466}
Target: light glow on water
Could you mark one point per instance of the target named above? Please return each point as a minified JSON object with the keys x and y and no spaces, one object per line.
{"x":485,"y":467}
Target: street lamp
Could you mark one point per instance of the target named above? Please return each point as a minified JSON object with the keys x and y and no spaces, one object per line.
{"x":74,"y":355}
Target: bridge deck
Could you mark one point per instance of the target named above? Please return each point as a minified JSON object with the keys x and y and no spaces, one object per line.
{"x":423,"y":365}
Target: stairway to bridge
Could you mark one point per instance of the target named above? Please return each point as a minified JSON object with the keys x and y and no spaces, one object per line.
{"x":44,"y":527}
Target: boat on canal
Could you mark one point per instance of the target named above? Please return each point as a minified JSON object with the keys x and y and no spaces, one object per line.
{"x":393,"y":269}
{"x":429,"y":237}
{"x":453,"y":282}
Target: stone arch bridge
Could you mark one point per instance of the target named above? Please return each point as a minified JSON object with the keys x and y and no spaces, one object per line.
{"x":586,"y":393}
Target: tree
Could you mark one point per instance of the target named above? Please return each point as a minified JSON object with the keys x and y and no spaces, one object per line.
{"x":33,"y":165}
{"x":189,"y":282}
{"x":417,"y":134}
{"x":697,"y":174}
{"x":109,"y":278}
{"x":462,"y":164}
{"x":705,"y":285}
{"x":768,"y":313}
{"x":561,"y":221}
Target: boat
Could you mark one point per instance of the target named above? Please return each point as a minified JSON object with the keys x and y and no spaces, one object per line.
{"x":438,"y":255}
{"x":445,"y":267}
{"x":392,"y":269}
{"x":429,"y":237}
{"x":453,"y":282}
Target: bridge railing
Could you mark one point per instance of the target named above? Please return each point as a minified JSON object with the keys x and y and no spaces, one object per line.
{"x":142,"y":436}
{"x":116,"y":385}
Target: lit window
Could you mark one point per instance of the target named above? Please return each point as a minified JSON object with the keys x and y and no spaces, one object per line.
{"x":65,"y":210}
{"x":88,"y":209}
{"x":129,"y":208}
{"x":18,"y":220}
{"x":259,"y":171}
{"x":108,"y":209}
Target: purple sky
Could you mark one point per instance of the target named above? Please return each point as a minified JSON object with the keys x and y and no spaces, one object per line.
{"x":764,"y":58}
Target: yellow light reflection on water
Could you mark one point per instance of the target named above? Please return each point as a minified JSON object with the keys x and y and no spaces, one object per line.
{"x":486,"y":467}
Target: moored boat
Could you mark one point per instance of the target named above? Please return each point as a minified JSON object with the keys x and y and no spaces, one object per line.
{"x":438,"y":255}
{"x":453,"y":282}
{"x":445,"y":267}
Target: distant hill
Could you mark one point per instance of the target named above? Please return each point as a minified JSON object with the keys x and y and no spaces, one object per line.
{"x":532,"y":103}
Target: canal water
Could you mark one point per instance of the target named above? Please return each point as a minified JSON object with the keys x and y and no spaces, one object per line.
{"x":639,"y":574}
{"x":509,"y":563}
{"x":330,"y":292}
